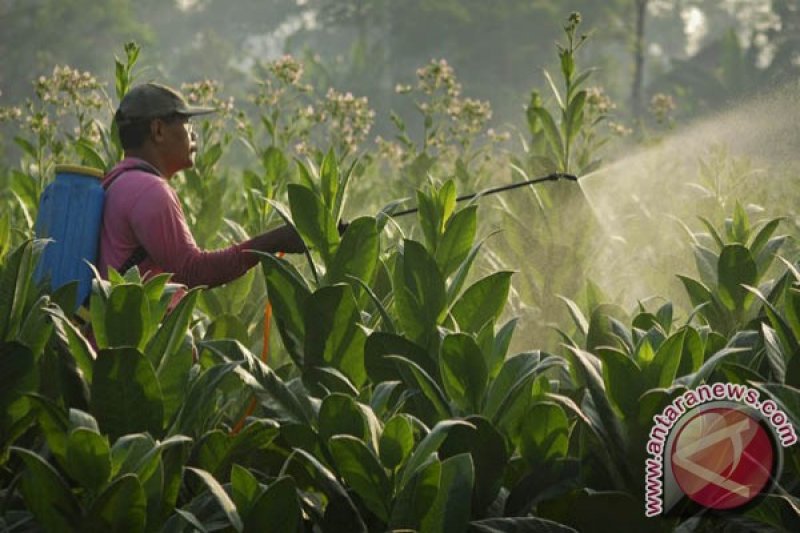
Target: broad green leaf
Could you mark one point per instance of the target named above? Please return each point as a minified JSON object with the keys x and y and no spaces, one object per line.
{"x":574,"y":116}
{"x":740,"y":229}
{"x":46,"y":495}
{"x":133,"y":454}
{"x":577,"y":316}
{"x":430,"y":218}
{"x":453,"y":504}
{"x":464,"y":372}
{"x":397,"y":441}
{"x":127,"y":317}
{"x":277,"y":398}
{"x":698,"y":293}
{"x":419,"y":291}
{"x":275,"y":165}
{"x":460,"y":277}
{"x":446,"y":199}
{"x":333,"y":336}
{"x":14,"y":282}
{"x":736,"y":268}
{"x":664,"y":316}
{"x":708,"y":306}
{"x":120,"y":507}
{"x":587,"y":366}
{"x":514,"y":370}
{"x":17,"y":373}
{"x":567,"y":64}
{"x":428,"y":446}
{"x":82,"y":419}
{"x":775,"y":354}
{"x":174,"y":455}
{"x":490,"y":457}
{"x":341,"y":513}
{"x":177,"y":522}
{"x":257,"y":435}
{"x":713,"y":232}
{"x":5,"y":234}
{"x":54,"y":423}
{"x":383,"y":312}
{"x":500,"y":344}
{"x":36,"y":327}
{"x":339,"y":414}
{"x":211,"y":450}
{"x":276,"y":510}
{"x":313,"y":221}
{"x":173,"y":377}
{"x":415,"y":377}
{"x":416,"y":497}
{"x":661,"y":372}
{"x":283,"y":213}
{"x":707,"y":264}
{"x":779,"y":324}
{"x":328,"y":379}
{"x":358,"y":252}
{"x":80,"y":348}
{"x":88,"y":458}
{"x":544,"y":435}
{"x":329,"y":179}
{"x":482,"y":301}
{"x":693,"y":352}
{"x":89,"y":156}
{"x":362,"y":471}
{"x":457,"y":240}
{"x":245,"y":489}
{"x":126,"y":396}
{"x":553,"y":135}
{"x":379,"y":344}
{"x":220,"y":496}
{"x":287,"y":294}
{"x":170,"y":335}
{"x":711,"y":364}
{"x":767,"y":255}
{"x":601,"y":331}
{"x":623,"y":380}
{"x":763,"y":236}
{"x":200,"y":401}
{"x":227,"y":326}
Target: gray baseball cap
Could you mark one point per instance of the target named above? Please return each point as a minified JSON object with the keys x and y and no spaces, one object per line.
{"x":152,"y":100}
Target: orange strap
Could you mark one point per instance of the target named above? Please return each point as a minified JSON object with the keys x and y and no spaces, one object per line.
{"x":264,"y":358}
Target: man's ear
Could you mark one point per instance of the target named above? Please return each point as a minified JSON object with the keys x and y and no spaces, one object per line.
{"x":156,"y":129}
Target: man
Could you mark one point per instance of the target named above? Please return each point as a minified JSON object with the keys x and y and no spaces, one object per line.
{"x":143,"y":222}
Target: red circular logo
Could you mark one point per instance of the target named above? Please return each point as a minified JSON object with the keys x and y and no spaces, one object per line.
{"x":722,"y":458}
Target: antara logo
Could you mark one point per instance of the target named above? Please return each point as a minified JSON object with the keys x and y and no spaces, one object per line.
{"x":718,"y":445}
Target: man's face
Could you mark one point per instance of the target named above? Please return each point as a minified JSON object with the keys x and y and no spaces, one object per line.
{"x":177,"y":142}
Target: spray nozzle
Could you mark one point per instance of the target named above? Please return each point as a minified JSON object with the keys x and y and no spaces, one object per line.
{"x":563,"y":175}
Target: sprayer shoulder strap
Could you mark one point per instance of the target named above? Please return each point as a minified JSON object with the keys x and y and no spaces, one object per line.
{"x":139,"y":254}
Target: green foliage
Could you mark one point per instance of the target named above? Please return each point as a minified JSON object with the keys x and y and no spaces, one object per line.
{"x":394,"y":398}
{"x":740,"y":262}
{"x":567,"y":143}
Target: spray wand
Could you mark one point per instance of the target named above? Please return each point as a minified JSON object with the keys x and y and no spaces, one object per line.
{"x":550,"y":177}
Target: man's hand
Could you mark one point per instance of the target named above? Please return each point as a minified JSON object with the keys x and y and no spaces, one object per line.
{"x":282,"y":239}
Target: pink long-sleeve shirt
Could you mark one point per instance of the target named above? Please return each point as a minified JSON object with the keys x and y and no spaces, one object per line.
{"x":141,"y":209}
